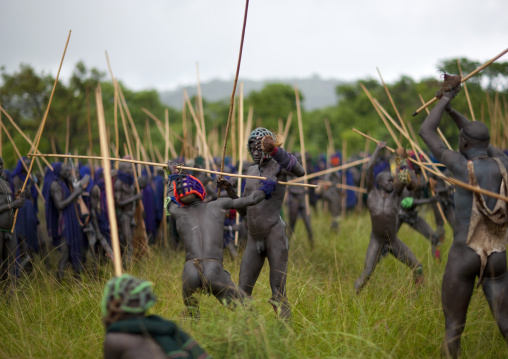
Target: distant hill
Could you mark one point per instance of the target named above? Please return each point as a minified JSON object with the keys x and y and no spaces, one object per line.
{"x":317,"y":92}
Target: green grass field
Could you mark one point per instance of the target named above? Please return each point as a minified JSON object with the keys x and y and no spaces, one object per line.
{"x":389,"y":319}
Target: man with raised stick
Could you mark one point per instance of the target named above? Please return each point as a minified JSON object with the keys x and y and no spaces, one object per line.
{"x":383,"y":204}
{"x":267,"y":231}
{"x":481,"y":222}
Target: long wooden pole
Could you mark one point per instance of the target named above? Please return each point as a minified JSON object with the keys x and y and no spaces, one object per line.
{"x":374,"y":103}
{"x":232,"y":101}
{"x":24,"y":136}
{"x":464,"y":79}
{"x":466,"y":91}
{"x":362,"y":176}
{"x":289,"y":183}
{"x":109,"y":186}
{"x":330,"y":170}
{"x":38,"y":140}
{"x":302,"y":145}
{"x":438,"y":129}
{"x":67,"y":135}
{"x":240,"y":155}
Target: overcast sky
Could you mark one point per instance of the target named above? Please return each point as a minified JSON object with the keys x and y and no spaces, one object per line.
{"x":157,"y":43}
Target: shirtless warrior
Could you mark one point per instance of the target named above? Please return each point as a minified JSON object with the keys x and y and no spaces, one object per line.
{"x":383,"y":204}
{"x":201,"y":225}
{"x":481,"y":222}
{"x":267,"y":231}
{"x":125,"y":204}
{"x":8,"y":242}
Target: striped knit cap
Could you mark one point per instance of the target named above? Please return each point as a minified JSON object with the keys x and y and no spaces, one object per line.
{"x":135,"y":295}
{"x":258,"y":132}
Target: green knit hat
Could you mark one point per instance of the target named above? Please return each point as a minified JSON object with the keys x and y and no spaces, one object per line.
{"x":136,"y":295}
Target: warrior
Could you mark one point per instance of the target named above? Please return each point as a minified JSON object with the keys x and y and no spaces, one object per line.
{"x":479,"y":231}
{"x":29,"y":239}
{"x":408,"y":213}
{"x":8,"y":241}
{"x":267,"y":231}
{"x":201,"y":225}
{"x":383,"y":203}
{"x":62,"y":218}
{"x":125,"y":204}
{"x":131,"y":333}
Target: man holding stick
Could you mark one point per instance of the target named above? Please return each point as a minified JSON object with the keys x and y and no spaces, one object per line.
{"x":201,"y":226}
{"x":383,"y":204}
{"x":267,"y":231}
{"x":479,"y":243}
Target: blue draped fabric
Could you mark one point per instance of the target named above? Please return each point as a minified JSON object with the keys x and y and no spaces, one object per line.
{"x":125,"y":177}
{"x":103,"y":216}
{"x":65,"y":225}
{"x":159,"y":198}
{"x":149,"y":205}
{"x":26,"y":225}
{"x":19,"y":171}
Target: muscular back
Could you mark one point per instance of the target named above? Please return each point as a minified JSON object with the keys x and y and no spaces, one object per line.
{"x":489,"y":177}
{"x":200,"y":226}
{"x":383,"y":213}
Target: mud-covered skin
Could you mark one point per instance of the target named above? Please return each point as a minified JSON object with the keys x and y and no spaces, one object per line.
{"x":125,"y":205}
{"x":297,"y":208}
{"x":60,"y":203}
{"x":383,"y":204}
{"x":463,"y":263}
{"x":267,"y":231}
{"x":8,"y":241}
{"x":201,"y":226}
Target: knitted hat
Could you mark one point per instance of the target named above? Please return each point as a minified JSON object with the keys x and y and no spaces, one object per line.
{"x":135,"y":295}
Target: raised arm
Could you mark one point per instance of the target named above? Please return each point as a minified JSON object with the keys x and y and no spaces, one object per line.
{"x":56,"y":195}
{"x":370,"y":180}
{"x":285,"y":159}
{"x":265,"y":191}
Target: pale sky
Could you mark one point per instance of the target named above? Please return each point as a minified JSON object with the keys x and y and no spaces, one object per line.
{"x":157,"y":43}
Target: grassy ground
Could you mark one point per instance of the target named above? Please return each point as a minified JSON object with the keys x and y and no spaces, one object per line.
{"x":389,"y":319}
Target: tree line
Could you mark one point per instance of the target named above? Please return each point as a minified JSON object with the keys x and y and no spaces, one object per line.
{"x":24,"y":94}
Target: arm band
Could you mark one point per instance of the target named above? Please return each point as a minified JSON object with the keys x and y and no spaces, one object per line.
{"x":285,"y":159}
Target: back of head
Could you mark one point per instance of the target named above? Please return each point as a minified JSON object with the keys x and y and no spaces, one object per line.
{"x":126,"y":295}
{"x":477,"y":134}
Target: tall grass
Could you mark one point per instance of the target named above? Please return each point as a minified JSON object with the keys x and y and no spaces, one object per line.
{"x":391,"y":318}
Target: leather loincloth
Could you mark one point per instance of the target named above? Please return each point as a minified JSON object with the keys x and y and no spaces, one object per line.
{"x":487,"y":228}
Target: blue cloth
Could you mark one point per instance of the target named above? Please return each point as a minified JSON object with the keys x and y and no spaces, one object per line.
{"x":26,"y":225}
{"x":19,"y":171}
{"x":125,"y":177}
{"x":148,"y":199}
{"x":66,"y":225}
{"x":159,"y":198}
{"x":103,"y":216}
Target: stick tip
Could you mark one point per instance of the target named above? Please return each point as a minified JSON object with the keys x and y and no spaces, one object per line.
{"x":415,"y":113}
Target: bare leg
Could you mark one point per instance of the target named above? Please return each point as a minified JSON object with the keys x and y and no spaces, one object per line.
{"x":250,"y":267}
{"x":277,"y":250}
{"x":458,"y":284}
{"x":495,"y":287}
{"x":371,"y":260}
{"x":191,"y":282}
{"x":306,"y":221}
{"x":224,"y":289}
{"x":64,"y":258}
{"x":404,"y":254}
{"x":293,"y":215}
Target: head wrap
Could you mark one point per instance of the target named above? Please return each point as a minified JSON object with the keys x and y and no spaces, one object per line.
{"x":183,"y":185}
{"x":258,"y":132}
{"x":135,"y":295}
